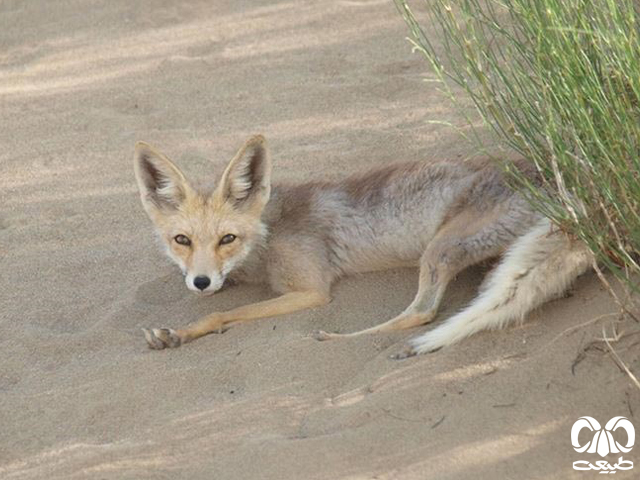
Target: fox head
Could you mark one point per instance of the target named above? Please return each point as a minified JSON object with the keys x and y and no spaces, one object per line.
{"x":208,"y":234}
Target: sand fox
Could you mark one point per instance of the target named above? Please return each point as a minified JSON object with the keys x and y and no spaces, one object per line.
{"x":439,"y":216}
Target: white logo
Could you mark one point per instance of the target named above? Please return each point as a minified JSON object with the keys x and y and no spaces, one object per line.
{"x":603,"y":443}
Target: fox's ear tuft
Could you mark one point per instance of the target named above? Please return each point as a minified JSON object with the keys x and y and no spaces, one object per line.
{"x":247,"y":179}
{"x":162,"y":185}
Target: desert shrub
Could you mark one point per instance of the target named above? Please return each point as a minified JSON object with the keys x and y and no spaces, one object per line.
{"x":559,"y":81}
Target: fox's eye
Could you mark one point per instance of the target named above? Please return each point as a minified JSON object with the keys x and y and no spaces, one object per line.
{"x":228,"y":238}
{"x":182,"y":240}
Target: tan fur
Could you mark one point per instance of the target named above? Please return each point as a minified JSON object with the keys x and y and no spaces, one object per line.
{"x":439,"y":216}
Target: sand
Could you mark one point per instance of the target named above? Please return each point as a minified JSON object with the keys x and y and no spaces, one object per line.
{"x":335,"y":88}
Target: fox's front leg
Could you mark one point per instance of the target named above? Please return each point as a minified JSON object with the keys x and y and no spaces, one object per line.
{"x":159,"y":338}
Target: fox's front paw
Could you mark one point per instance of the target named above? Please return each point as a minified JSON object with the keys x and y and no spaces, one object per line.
{"x":160,"y":338}
{"x":321,"y":335}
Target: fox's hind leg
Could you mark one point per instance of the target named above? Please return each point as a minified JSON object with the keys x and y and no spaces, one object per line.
{"x":468,"y":238}
{"x":539,"y":266}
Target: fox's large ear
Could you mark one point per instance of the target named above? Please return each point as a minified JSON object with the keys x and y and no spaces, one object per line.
{"x":162,"y":185}
{"x":246,"y":182}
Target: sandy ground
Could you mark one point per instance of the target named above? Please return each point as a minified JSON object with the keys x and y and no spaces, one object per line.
{"x":335,"y":88}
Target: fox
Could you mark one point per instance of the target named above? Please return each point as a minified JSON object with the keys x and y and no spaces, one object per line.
{"x":439,"y":216}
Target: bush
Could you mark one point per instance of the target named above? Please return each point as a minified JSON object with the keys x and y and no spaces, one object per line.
{"x":559,"y":81}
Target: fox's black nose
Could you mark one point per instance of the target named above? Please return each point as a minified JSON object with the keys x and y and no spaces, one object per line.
{"x":201,"y":282}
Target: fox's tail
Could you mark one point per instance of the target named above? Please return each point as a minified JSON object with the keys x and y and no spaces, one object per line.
{"x":537,"y":267}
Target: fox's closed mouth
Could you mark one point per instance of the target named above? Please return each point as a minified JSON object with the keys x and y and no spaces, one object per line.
{"x":226,"y":284}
